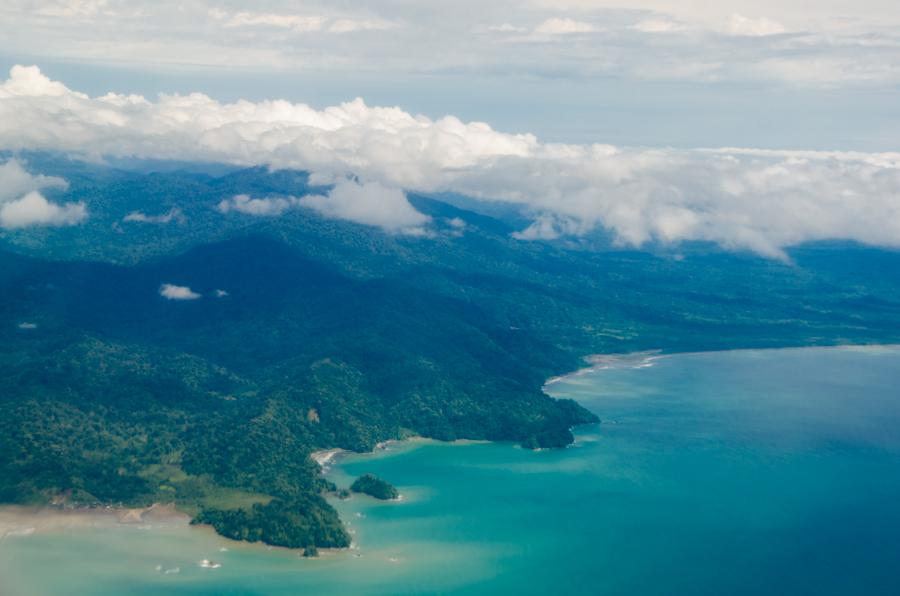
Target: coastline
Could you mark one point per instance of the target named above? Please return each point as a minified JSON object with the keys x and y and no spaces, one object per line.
{"x":642,"y":359}
{"x":326,"y":458}
{"x":646,"y":358}
{"x":461,"y":496}
{"x":19,"y":520}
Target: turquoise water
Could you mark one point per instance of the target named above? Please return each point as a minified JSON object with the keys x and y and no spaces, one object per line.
{"x":740,"y":472}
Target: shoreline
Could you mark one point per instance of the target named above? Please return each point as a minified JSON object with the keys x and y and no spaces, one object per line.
{"x":326,"y":458}
{"x":646,"y":358}
{"x":642,"y":359}
{"x":21,"y":520}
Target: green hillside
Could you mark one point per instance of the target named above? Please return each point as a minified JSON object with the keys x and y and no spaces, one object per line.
{"x":330,"y":334}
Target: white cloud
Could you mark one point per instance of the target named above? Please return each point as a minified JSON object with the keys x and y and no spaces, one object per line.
{"x":834,"y":13}
{"x":16,"y":181}
{"x":457,"y":227}
{"x":286,"y":21}
{"x":371,"y":204}
{"x":542,"y":228}
{"x":173,"y":292}
{"x":26,"y":326}
{"x":267,"y":207}
{"x":300,"y":23}
{"x":754,"y":200}
{"x":353,"y":25}
{"x":33,"y":210}
{"x":562,"y":26}
{"x":657,"y":26}
{"x":507,"y":28}
{"x":173,"y":214}
{"x":22,"y":204}
{"x":740,"y":25}
{"x":221,"y":294}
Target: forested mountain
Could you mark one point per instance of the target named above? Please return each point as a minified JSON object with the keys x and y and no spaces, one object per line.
{"x":302,"y":332}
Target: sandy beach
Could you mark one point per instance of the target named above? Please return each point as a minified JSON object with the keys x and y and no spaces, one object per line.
{"x":325,"y":457}
{"x":22,"y":521}
{"x":604,"y":361}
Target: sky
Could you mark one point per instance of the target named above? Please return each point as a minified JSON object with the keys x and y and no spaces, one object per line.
{"x":755,"y":125}
{"x":790,"y":74}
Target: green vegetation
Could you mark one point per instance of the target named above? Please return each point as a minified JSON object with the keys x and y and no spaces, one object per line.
{"x":300,"y":523}
{"x":338,"y":335}
{"x":369,"y":484}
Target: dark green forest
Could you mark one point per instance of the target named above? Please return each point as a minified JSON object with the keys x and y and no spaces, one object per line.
{"x":369,"y":484}
{"x":330,"y":334}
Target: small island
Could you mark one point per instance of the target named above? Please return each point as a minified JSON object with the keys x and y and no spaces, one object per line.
{"x":295,"y":523}
{"x":371,"y":485}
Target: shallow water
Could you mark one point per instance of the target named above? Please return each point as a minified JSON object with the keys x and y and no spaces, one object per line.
{"x":739,"y":472}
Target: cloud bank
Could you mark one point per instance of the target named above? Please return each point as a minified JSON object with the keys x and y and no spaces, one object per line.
{"x":22,"y":204}
{"x":754,"y":200}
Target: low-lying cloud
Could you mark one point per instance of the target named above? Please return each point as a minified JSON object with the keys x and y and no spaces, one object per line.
{"x":173,"y":214}
{"x":370,"y":204}
{"x":23,"y":205}
{"x":173,"y":292}
{"x":754,"y":200}
{"x":264,"y":207}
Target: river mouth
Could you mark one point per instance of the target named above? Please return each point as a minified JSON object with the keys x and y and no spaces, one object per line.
{"x":728,"y":472}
